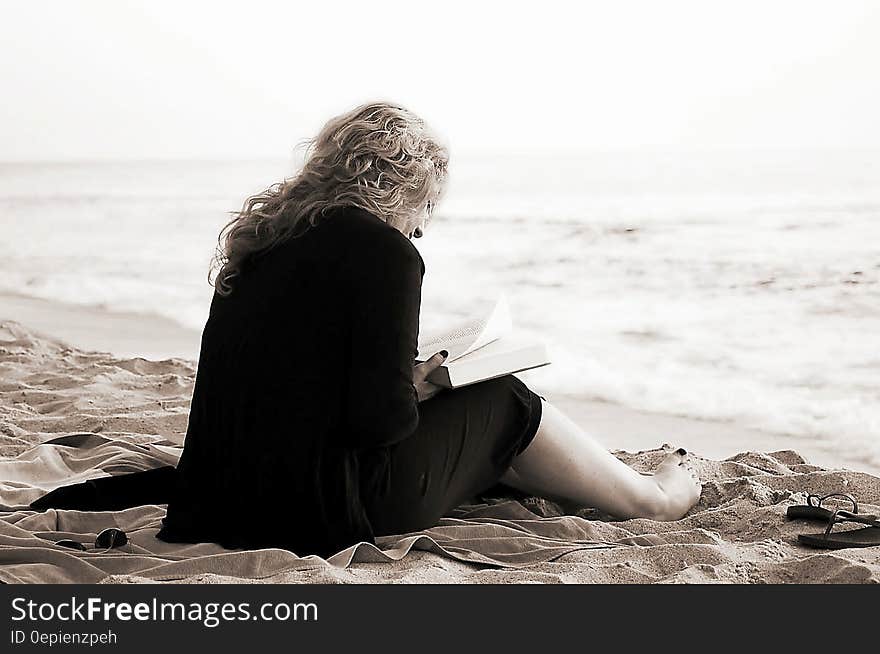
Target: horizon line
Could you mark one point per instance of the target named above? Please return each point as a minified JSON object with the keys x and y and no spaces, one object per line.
{"x":464,"y":152}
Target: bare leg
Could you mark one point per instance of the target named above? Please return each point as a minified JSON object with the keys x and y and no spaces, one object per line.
{"x":563,"y":462}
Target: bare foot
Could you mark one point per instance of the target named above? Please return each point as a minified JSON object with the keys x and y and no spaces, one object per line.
{"x":678,"y":487}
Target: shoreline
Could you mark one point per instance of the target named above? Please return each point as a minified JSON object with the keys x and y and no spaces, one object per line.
{"x":124,"y":334}
{"x":132,"y":335}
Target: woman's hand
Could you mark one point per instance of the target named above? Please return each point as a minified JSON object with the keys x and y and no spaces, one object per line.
{"x":425,"y":389}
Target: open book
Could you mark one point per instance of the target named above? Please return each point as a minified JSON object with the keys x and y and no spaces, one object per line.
{"x":480,"y":348}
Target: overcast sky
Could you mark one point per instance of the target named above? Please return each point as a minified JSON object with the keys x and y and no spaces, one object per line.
{"x":157,"y":78}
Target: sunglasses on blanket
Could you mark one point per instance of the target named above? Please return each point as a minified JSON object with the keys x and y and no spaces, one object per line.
{"x":106,"y":540}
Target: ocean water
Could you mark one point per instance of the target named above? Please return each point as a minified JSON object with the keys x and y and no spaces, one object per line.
{"x":740,"y":286}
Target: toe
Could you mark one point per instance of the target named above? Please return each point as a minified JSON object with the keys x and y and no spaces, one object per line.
{"x":672,"y":460}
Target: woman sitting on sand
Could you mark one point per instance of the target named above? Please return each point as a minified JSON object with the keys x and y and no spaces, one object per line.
{"x":311,"y":427}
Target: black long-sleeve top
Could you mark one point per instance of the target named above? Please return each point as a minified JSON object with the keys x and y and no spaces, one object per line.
{"x":306,"y":363}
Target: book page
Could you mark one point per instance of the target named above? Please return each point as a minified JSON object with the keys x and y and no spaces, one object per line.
{"x":513,"y":341}
{"x":468,"y":335}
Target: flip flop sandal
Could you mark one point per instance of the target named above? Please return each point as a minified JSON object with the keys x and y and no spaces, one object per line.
{"x":864,"y":537}
{"x":813,"y":509}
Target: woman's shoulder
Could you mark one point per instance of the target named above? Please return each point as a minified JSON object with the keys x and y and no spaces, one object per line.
{"x":371,"y":236}
{"x":365,"y":224}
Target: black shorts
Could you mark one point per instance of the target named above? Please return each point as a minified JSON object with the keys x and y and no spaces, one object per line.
{"x":465,"y":441}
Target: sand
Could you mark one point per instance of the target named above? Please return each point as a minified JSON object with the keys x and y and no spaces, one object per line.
{"x":736,"y":534}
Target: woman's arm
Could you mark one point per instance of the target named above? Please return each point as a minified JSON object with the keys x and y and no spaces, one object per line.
{"x":385,"y":278}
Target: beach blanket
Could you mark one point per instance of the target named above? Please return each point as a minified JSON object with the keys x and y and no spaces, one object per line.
{"x":503,"y":534}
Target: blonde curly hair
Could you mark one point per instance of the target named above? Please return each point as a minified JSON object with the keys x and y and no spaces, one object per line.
{"x":379,"y":157}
